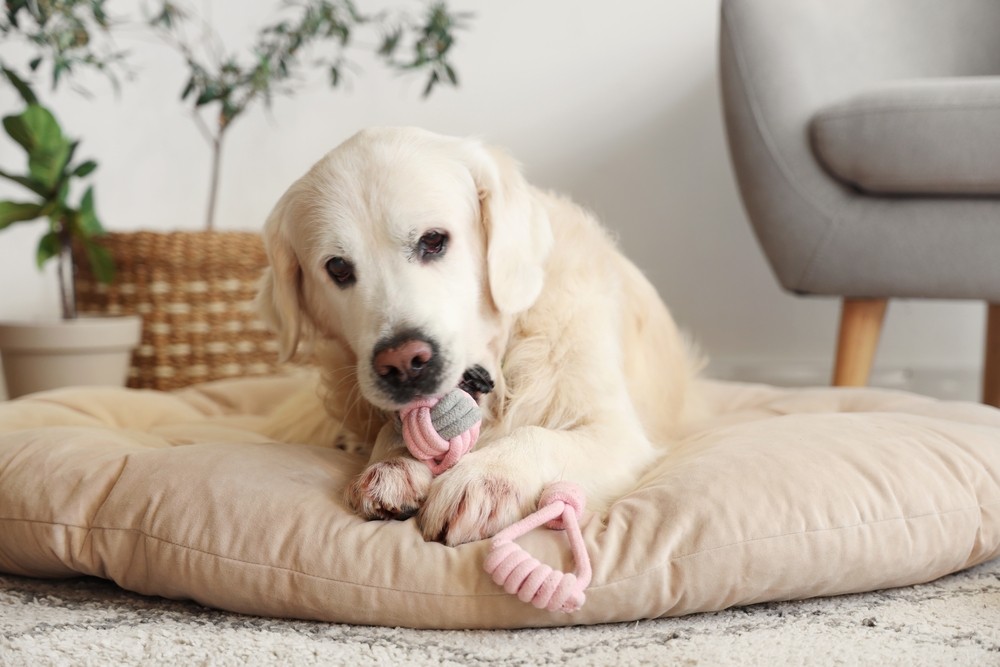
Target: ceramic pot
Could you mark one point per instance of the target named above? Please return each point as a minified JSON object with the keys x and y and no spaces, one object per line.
{"x":85,"y":351}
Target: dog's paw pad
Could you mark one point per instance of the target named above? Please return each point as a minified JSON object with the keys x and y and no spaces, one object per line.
{"x":458,"y":512}
{"x":390,"y":489}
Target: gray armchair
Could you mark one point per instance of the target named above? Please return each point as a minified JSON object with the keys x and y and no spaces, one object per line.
{"x":865,"y":138}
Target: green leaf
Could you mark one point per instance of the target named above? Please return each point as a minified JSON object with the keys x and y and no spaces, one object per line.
{"x":12,"y":211}
{"x":85,"y":168}
{"x":48,"y":247}
{"x":209,"y":94}
{"x":46,"y":166}
{"x":61,"y":65}
{"x":390,"y":42}
{"x":64,"y":174}
{"x":27,"y":182}
{"x":99,"y":14}
{"x":35,"y":128}
{"x":63,"y":194}
{"x":169,"y":17}
{"x":18,"y":130}
{"x":430,"y":83}
{"x":38,"y":132}
{"x":20,"y":85}
{"x":450,"y":72}
{"x":353,"y":12}
{"x":101,"y":262}
{"x":87,"y":201}
{"x":13,"y":7}
{"x":89,"y":225}
{"x":188,"y":88}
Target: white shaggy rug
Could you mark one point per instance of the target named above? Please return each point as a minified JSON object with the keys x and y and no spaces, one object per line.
{"x":952,"y":621}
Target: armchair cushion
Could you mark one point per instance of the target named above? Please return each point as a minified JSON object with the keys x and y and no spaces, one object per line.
{"x":919,"y":137}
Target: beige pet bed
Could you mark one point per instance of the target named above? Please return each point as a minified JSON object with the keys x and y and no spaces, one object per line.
{"x":784,"y":494}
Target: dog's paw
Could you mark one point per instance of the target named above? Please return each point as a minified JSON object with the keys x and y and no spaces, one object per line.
{"x":390,"y":489}
{"x":349,"y":442}
{"x":465,"y":505}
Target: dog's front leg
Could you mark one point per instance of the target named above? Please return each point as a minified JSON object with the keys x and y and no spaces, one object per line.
{"x":394,"y":485}
{"x":496,"y":485}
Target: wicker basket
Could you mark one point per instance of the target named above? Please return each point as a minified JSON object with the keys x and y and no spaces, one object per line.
{"x":195,"y":292}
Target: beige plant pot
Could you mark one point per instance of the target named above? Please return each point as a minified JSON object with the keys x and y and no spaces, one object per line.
{"x":84,"y":351}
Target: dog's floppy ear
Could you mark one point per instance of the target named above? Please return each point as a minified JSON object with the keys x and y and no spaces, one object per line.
{"x":279,"y":299}
{"x":518,"y":233}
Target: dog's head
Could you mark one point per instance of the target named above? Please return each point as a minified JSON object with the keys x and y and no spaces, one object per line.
{"x":409,"y":249}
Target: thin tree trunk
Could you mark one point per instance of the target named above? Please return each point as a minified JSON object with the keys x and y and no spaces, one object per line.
{"x":67,"y":290}
{"x":213,"y":191}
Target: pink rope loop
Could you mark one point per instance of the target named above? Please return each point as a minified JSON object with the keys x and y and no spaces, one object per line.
{"x":424,"y":442}
{"x":567,"y":493}
{"x":511,"y":567}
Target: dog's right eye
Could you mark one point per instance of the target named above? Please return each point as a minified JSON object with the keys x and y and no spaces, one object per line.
{"x":341,"y":271}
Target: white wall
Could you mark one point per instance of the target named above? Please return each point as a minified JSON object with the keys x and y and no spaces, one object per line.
{"x":614,"y":103}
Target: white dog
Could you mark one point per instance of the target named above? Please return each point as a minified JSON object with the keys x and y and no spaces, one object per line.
{"x":415,"y":263}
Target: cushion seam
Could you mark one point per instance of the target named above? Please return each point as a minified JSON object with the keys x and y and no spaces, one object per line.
{"x":836,"y":114}
{"x":114,"y":484}
{"x":927,"y":188}
{"x":670,"y":561}
{"x":658,"y":566}
{"x":674,"y":559}
{"x":240,"y":560}
{"x":915,"y":181}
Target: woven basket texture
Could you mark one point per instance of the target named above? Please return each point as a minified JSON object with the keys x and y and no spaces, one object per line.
{"x":195,"y":293}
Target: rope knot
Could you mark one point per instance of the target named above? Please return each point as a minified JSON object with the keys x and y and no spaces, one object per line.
{"x":439,"y":431}
{"x":567,"y":493}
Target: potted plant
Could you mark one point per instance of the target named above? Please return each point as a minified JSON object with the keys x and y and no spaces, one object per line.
{"x":75,"y":350}
{"x":195,"y":289}
{"x":63,"y":37}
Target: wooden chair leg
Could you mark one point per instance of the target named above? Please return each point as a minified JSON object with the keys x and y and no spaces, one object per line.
{"x":991,"y":358}
{"x":860,"y":326}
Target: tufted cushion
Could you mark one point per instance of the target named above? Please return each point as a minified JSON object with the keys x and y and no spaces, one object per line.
{"x":921,"y":137}
{"x":782,"y":494}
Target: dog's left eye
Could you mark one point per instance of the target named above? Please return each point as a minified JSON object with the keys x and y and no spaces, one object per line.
{"x":341,"y":271}
{"x":433,"y":244}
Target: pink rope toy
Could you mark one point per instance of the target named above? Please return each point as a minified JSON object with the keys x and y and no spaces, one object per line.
{"x":559,"y":508}
{"x":439,"y":431}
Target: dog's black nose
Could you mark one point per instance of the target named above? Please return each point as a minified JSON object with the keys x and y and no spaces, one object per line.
{"x":407,"y":365}
{"x":405,"y":361}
